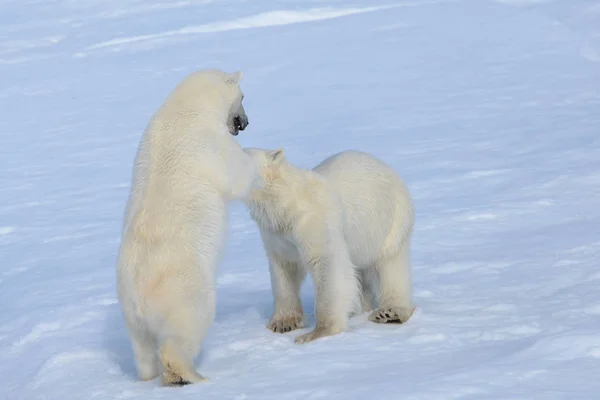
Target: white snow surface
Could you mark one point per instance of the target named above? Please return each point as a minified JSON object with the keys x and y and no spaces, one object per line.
{"x":490,"y":110}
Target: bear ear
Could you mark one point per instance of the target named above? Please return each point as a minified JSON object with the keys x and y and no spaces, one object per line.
{"x":277,"y":156}
{"x":235,"y":77}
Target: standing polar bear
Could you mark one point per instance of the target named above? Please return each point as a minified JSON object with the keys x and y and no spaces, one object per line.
{"x":187,"y":168}
{"x":348,"y":222}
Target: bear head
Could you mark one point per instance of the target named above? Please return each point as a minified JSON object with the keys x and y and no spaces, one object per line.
{"x":216,"y":93}
{"x":270,"y":164}
{"x":237,"y":120}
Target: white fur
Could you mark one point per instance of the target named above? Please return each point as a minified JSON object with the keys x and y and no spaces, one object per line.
{"x":188,"y":167}
{"x":348,"y":222}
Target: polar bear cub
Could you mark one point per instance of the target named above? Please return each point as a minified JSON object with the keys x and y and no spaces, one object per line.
{"x":187,"y":168}
{"x":348,"y":222}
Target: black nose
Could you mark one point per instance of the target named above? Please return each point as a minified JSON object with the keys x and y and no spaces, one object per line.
{"x":240,"y":123}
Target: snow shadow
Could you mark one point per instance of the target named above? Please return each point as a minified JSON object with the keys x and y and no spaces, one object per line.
{"x":116,"y":342}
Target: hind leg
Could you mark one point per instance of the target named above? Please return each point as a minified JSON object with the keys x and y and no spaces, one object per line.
{"x":146,"y":360}
{"x":395,"y":289}
{"x":367,"y":297}
{"x":188,"y":316}
{"x":144,"y":349}
{"x":177,"y":355}
{"x":178,"y":352}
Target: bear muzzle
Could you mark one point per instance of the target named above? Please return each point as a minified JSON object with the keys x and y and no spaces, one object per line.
{"x":239,"y":124}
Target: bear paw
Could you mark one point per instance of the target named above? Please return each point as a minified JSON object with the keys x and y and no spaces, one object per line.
{"x":171,"y":378}
{"x":286,"y":323}
{"x":391,"y":315}
{"x":319,"y":332}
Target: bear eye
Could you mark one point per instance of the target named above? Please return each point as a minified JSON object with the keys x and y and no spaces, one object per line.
{"x":242,"y":99}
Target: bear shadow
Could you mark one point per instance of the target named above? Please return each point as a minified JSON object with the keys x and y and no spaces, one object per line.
{"x":265,"y":305}
{"x":257,"y":302}
{"x":262,"y":302}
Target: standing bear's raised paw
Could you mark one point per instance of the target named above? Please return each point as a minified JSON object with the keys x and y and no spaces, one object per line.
{"x":286,"y":323}
{"x":391,"y":315}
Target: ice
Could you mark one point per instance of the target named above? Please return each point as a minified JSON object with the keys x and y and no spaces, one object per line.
{"x":490,"y":110}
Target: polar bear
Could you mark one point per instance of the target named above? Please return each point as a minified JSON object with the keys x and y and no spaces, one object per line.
{"x":348,"y":222}
{"x":187,"y":168}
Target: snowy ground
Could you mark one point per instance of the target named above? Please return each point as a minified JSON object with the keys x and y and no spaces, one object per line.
{"x":490,"y":110}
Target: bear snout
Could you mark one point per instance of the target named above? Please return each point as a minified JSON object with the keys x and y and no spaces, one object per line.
{"x":240,"y":122}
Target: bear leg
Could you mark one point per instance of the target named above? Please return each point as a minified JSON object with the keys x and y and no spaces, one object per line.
{"x":183,"y":327}
{"x":336,"y":291}
{"x":145,"y":351}
{"x":144,"y":346}
{"x":395,"y":289}
{"x":177,"y":360}
{"x":286,"y":279}
{"x":367,"y":295}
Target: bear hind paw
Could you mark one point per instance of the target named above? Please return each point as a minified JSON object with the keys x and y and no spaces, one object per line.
{"x":391,"y":315}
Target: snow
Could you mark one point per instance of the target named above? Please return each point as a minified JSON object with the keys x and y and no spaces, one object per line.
{"x":490,"y":110}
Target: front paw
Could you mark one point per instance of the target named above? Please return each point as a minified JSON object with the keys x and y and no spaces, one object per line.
{"x":319,"y":332}
{"x":286,"y":323}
